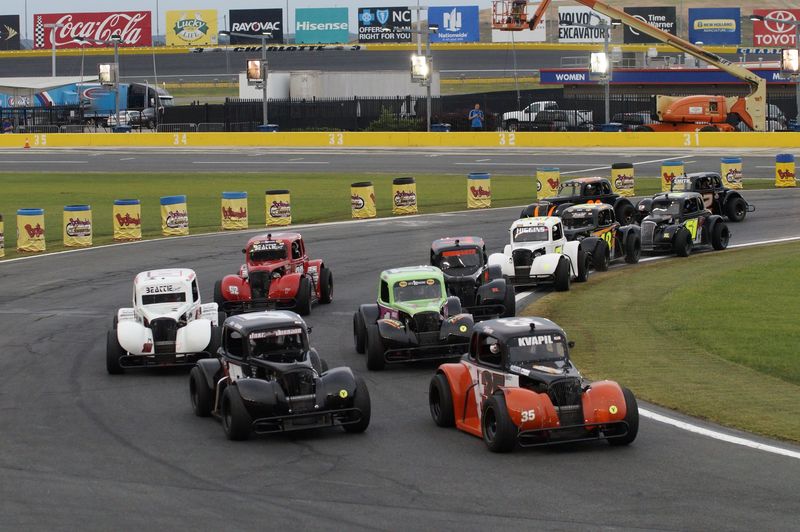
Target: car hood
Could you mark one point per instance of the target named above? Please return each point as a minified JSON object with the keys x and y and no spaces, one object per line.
{"x":423,"y":305}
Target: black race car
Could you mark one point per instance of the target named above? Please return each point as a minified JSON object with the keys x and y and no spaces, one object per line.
{"x":717,"y":198}
{"x":266,"y":378}
{"x":482,"y":290}
{"x":603,"y":238}
{"x":678,"y":222}
{"x":583,"y":190}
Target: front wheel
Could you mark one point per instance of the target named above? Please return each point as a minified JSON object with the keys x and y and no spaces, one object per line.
{"x":499,"y":432}
{"x":114,"y":352}
{"x":720,"y":236}
{"x":359,"y":333}
{"x":375,"y":350}
{"x":600,"y":257}
{"x":302,"y":302}
{"x":236,"y":421}
{"x":682,"y":245}
{"x":562,"y":275}
{"x":200,"y":392}
{"x":624,"y":213}
{"x":631,"y":418}
{"x":736,"y":209}
{"x":440,"y":400}
{"x":364,"y":406}
{"x":326,"y":286}
{"x":633,"y":249}
{"x":218,"y":298}
{"x":583,"y":266}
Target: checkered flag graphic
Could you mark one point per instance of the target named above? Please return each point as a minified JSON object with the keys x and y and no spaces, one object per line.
{"x":38,"y":33}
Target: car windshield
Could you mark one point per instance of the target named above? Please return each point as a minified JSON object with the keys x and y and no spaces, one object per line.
{"x":535,"y":233}
{"x":155,"y":299}
{"x":528,"y":350}
{"x":267,"y":251}
{"x":459,"y":259}
{"x":417,"y":290}
{"x":567,"y":190}
{"x":578,"y":220}
{"x":278,"y":345}
{"x":672,"y":207}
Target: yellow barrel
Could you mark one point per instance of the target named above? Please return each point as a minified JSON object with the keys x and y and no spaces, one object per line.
{"x":2,"y":237}
{"x":77,"y":226}
{"x":30,"y":230}
{"x":404,"y":195}
{"x":730,"y":169}
{"x":278,"y":207}
{"x":547,"y":182}
{"x":362,"y":200}
{"x":785,"y":170}
{"x":174,"y":216}
{"x":669,"y":171}
{"x":479,"y":191}
{"x":127,"y":220}
{"x":234,"y":210}
{"x":622,"y":179}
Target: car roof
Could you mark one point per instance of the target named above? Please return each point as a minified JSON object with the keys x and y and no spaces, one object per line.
{"x":679,"y":195}
{"x":270,"y":319}
{"x":595,"y":179}
{"x":411,"y":272}
{"x":165,"y":274}
{"x":548,"y":221}
{"x":696,"y":175}
{"x":592,"y":207}
{"x":275,"y":237}
{"x":450,"y":242}
{"x":512,"y":327}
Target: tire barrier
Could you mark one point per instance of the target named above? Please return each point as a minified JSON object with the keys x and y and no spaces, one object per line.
{"x":362,"y":200}
{"x":785,"y":171}
{"x":278,"y":207}
{"x":77,"y":226}
{"x":234,"y":210}
{"x":2,"y":237}
{"x":479,"y":191}
{"x":404,"y":195}
{"x":127,"y":216}
{"x":30,"y":230}
{"x":669,"y":171}
{"x":174,"y":216}
{"x":547,"y":182}
{"x":730,"y":169}
{"x":622,"y":179}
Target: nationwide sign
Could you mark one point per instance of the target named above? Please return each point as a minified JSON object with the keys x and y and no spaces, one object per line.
{"x":456,"y":23}
{"x":663,"y":18}
{"x":256,"y":22}
{"x":777,"y":32}
{"x":325,"y":25}
{"x":384,"y":24}
{"x":657,"y":76}
{"x":715,"y":25}
{"x":192,"y":27}
{"x":571,"y":22}
{"x":133,"y":27}
{"x":9,"y":32}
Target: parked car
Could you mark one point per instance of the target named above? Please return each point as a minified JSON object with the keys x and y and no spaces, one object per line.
{"x":562,"y":120}
{"x":515,"y":120}
{"x":136,"y":119}
{"x":630,"y":121}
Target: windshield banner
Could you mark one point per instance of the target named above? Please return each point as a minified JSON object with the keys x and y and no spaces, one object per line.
{"x":669,"y":171}
{"x":30,"y":230}
{"x":479,"y":191}
{"x":547,"y":181}
{"x":77,"y":226}
{"x":279,"y":207}
{"x":234,"y":210}
{"x":174,"y":216}
{"x":622,"y":179}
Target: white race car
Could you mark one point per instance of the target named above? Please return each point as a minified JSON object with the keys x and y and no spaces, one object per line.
{"x":540,"y":254}
{"x":167,"y":325}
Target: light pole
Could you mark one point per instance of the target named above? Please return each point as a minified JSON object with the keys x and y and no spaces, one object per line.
{"x":265,"y":36}
{"x":796,"y":24}
{"x":53,"y":27}
{"x":601,"y":63}
{"x":422,"y":69}
{"x":115,"y":40}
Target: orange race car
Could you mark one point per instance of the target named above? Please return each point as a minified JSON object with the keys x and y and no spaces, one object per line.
{"x":517,"y":385}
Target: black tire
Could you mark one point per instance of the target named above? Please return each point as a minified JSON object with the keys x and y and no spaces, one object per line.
{"x":736,"y":209}
{"x":362,"y":402}
{"x":440,"y":400}
{"x":633,"y":248}
{"x":709,"y":129}
{"x":512,"y":125}
{"x":453,"y":306}
{"x":631,"y":418}
{"x":682,"y":245}
{"x":643,"y":129}
{"x":302,"y":302}
{"x":200,"y":393}
{"x":509,"y":302}
{"x":625,"y":212}
{"x":326,"y":286}
{"x":113,"y":353}
{"x":562,"y":275}
{"x":600,"y":256}
{"x":499,"y":432}
{"x":115,"y":322}
{"x":236,"y":421}
{"x":218,"y":298}
{"x":583,"y":266}
{"x":359,"y":332}
{"x":316,"y":361}
{"x":720,"y":235}
{"x":375,"y":350}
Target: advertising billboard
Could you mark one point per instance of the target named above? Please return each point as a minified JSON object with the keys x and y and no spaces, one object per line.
{"x":456,"y":23}
{"x":191,"y":27}
{"x":777,"y":32}
{"x":9,"y":32}
{"x":538,"y":34}
{"x":256,"y":22}
{"x":324,"y":25}
{"x":384,"y":24}
{"x":663,"y":18}
{"x":571,"y":20}
{"x":133,"y":27}
{"x":715,"y":25}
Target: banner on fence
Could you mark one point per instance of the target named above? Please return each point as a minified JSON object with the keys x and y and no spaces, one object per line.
{"x":384,"y":24}
{"x":256,"y":22}
{"x":234,"y":210}
{"x":404,"y":195}
{"x":572,"y":21}
{"x":547,"y":182}
{"x":663,"y":18}
{"x":479,"y":191}
{"x":325,"y":25}
{"x":77,"y":226}
{"x":196,"y":27}
{"x":622,"y":179}
{"x":30,"y":230}
{"x":456,"y":23}
{"x":715,"y":25}
{"x":174,"y":216}
{"x":92,"y":30}
{"x":779,"y":30}
{"x":731,"y":172}
{"x":279,"y":207}
{"x":362,"y":200}
{"x":9,"y":32}
{"x":669,"y":171}
{"x":127,"y":219}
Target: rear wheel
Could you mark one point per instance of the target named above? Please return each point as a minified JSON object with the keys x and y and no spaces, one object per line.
{"x":359,"y":332}
{"x":624,"y":212}
{"x":364,"y":406}
{"x":326,"y":286}
{"x":736,"y":209}
{"x":583,"y":266}
{"x":302,"y":302}
{"x":440,"y":401}
{"x":499,"y":432}
{"x":720,"y":235}
{"x":236,"y":421}
{"x":600,"y":258}
{"x":113,"y":353}
{"x":631,"y":418}
{"x":375,"y":350}
{"x":682,"y":245}
{"x":201,"y":394}
{"x":633,"y":248}
{"x":562,"y":275}
{"x":218,"y":299}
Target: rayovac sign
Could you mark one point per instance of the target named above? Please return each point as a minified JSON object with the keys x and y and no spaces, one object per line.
{"x":384,"y":24}
{"x":134,"y":27}
{"x":256,"y":22}
{"x":325,"y":25}
{"x":772,"y":33}
{"x":715,"y":25}
{"x":9,"y":32}
{"x":569,"y":16}
{"x":662,"y":18}
{"x":456,"y":23}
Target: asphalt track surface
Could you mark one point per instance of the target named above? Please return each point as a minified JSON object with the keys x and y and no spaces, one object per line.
{"x":499,"y":161}
{"x":84,"y":450}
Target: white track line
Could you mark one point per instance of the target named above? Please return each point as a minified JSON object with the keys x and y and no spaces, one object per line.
{"x":634,"y":164}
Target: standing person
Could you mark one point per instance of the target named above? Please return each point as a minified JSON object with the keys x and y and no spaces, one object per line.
{"x":476,"y":118}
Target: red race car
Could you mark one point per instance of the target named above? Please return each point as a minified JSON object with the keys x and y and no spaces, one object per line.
{"x":277,"y":274}
{"x":517,"y":385}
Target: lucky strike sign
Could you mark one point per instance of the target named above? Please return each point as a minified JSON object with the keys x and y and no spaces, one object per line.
{"x":772,"y":32}
{"x":135,"y":28}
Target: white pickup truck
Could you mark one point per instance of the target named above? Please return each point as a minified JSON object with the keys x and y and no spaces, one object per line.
{"x":518,"y":120}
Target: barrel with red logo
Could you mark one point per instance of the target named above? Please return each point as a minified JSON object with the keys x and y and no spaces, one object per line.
{"x":279,"y":207}
{"x":234,"y":210}
{"x":127,"y":220}
{"x":669,"y":171}
{"x":77,"y":226}
{"x":174,"y":216}
{"x":479,"y":190}
{"x":404,"y":195}
{"x":547,"y":182}
{"x":362,"y":200}
{"x":2,"y":237}
{"x":30,"y":230}
{"x":785,"y":170}
{"x":622,"y":179}
{"x":730,"y":168}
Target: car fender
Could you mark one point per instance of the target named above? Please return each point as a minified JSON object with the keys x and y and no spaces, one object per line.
{"x":571,"y":249}
{"x":285,"y":287}
{"x":260,"y":393}
{"x":338,"y":386}
{"x":708,"y":227}
{"x":194,"y":337}
{"x":503,"y":260}
{"x":604,"y":402}
{"x":370,"y":312}
{"x":126,"y":314}
{"x":313,"y":269}
{"x":235,"y":288}
{"x":643,"y":208}
{"x":134,"y":337}
{"x":458,"y":325}
{"x":490,"y":273}
{"x":545,"y":264}
{"x":492,"y":292}
{"x":625,"y":230}
{"x":589,"y":244}
{"x":539,"y":410}
{"x":461,"y":389}
{"x":209,"y":311}
{"x":394,"y":330}
{"x":559,"y":209}
{"x":211,"y":368}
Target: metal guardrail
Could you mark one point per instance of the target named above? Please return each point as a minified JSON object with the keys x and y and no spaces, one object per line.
{"x":176,"y":128}
{"x":38,"y":129}
{"x":211,"y":127}
{"x":72,"y":129}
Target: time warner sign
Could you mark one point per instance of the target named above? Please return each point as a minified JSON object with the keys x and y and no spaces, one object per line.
{"x":327,"y":25}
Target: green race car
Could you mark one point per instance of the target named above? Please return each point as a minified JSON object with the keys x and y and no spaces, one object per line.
{"x":412,"y":320}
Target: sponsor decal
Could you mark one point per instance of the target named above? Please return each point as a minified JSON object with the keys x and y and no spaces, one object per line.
{"x":785,"y":174}
{"x":79,"y":228}
{"x":571,"y":22}
{"x":37,"y":231}
{"x":520,"y":370}
{"x":733,"y":175}
{"x":456,"y":23}
{"x":669,"y":177}
{"x":405,"y":198}
{"x":268,"y":245}
{"x":612,"y":409}
{"x":280,"y":209}
{"x":528,"y":341}
{"x":779,"y":31}
{"x":133,"y":27}
{"x":715,"y":25}
{"x":530,"y":229}
{"x":229,"y":213}
{"x":389,"y":24}
{"x":256,"y":22}
{"x":463,"y":328}
{"x":177,"y":219}
{"x":275,"y":332}
{"x":480,"y":192}
{"x":197,"y":26}
{"x":662,"y":18}
{"x":161,"y":289}
{"x":356,"y":202}
{"x":128,"y":220}
{"x":623,"y":181}
{"x":9,"y":32}
{"x":343,"y":394}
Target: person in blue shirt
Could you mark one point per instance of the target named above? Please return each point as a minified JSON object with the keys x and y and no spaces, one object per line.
{"x":476,"y":118}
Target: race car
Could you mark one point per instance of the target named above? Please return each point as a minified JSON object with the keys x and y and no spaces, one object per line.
{"x":277,"y":274}
{"x":603,"y":238}
{"x":716,"y":196}
{"x":517,"y":386}
{"x":166,"y":326}
{"x":579,"y":191}
{"x":482,"y":290}
{"x":267,"y":378}
{"x":413,"y":319}
{"x":539,"y":254}
{"x":679,"y":222}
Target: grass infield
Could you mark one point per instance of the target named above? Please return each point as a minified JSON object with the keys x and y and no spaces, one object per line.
{"x":714,"y":335}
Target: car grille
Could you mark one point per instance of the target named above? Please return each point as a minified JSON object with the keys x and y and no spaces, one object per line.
{"x":565,"y":394}
{"x":648,"y":230}
{"x":259,"y":284}
{"x":463,"y":290}
{"x":299,"y":387}
{"x":425,"y":322}
{"x":164,"y":332}
{"x":428,"y":338}
{"x":523,"y":258}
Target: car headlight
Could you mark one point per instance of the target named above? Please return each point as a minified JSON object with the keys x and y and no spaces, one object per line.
{"x":276,"y":275}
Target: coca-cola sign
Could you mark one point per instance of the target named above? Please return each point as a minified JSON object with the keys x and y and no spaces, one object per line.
{"x":778,"y":29}
{"x":133,"y":27}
